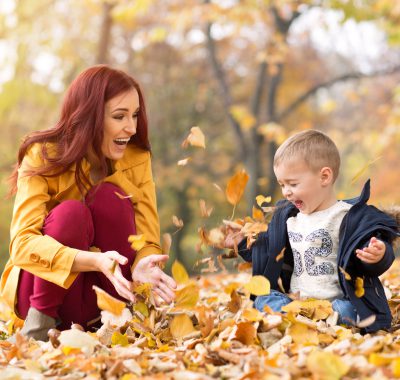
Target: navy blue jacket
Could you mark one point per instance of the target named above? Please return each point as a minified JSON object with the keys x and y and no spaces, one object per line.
{"x":360,"y":223}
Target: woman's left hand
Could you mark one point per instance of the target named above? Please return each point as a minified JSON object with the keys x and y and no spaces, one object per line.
{"x":148,"y":270}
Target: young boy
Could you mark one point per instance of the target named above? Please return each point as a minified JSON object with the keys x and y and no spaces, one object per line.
{"x":324,"y":239}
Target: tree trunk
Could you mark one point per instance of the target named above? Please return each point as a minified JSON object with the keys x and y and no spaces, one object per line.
{"x":105,"y":33}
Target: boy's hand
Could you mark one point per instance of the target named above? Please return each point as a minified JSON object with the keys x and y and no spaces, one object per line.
{"x":373,"y":253}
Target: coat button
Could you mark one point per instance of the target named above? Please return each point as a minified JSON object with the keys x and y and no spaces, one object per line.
{"x":44,"y":263}
{"x":34,"y":257}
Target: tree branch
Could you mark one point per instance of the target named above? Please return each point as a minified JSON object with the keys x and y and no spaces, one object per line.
{"x":356,"y":75}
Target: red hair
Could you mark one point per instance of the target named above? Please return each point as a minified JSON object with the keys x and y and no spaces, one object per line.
{"x":81,"y":125}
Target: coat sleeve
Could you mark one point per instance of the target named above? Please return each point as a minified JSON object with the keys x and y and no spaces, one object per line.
{"x":29,"y":248}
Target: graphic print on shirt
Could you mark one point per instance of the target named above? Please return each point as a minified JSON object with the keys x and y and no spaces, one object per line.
{"x":324,"y":250}
{"x":295,"y":237}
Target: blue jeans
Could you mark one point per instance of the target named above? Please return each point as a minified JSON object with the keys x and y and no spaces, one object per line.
{"x":276,"y":300}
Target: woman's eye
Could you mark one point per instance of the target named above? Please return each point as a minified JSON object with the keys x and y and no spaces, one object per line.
{"x":135,"y":115}
{"x":118,"y":117}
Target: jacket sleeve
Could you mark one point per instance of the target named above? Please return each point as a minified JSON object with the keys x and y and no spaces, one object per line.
{"x":29,"y":248}
{"x":146,"y":215}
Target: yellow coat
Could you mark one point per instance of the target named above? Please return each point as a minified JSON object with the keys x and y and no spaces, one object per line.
{"x":37,"y":195}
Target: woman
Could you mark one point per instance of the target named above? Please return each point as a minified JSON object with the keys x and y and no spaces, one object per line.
{"x":84,"y":186}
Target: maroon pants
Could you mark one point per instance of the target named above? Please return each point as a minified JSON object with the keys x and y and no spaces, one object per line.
{"x":104,"y":221}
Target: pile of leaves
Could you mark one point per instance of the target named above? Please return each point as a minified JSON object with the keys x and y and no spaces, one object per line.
{"x":210,"y":332}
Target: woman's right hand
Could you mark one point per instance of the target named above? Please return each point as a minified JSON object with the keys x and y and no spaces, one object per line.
{"x":107,"y":263}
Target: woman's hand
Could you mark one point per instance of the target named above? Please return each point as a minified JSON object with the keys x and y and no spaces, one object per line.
{"x":148,"y":270}
{"x":107,"y":263}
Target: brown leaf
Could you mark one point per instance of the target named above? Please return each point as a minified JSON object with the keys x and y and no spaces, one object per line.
{"x":166,"y":243}
{"x":236,"y":186}
{"x":204,"y":211}
{"x":177,"y":222}
{"x":235,"y":303}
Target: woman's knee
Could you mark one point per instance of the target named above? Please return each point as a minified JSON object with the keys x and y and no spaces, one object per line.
{"x":108,"y":201}
{"x":70,"y":223}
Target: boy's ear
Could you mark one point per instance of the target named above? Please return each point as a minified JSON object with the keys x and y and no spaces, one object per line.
{"x":326,"y":175}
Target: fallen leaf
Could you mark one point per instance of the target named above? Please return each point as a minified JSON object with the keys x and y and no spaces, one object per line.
{"x":119,"y":339}
{"x":187,"y":297}
{"x":258,"y":285}
{"x":245,"y":333}
{"x":107,"y":302}
{"x":181,"y":326}
{"x":195,"y":138}
{"x":236,"y":186}
{"x":303,"y":334}
{"x":311,"y":308}
{"x":235,"y":303}
{"x":326,"y":365}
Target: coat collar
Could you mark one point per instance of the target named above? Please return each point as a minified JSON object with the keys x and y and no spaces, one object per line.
{"x":363,"y":197}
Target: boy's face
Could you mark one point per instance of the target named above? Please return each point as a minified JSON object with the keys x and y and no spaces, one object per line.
{"x":308,"y":190}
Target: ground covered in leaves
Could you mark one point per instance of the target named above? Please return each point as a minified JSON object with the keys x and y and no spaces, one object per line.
{"x":211,"y":332}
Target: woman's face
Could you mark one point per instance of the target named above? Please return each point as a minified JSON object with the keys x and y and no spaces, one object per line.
{"x":120,"y":123}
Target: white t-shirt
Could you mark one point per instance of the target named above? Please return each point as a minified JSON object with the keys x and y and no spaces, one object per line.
{"x":314,"y":239}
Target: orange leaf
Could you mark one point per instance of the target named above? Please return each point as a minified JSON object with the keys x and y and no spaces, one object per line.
{"x":359,"y":287}
{"x":246,"y":333}
{"x":107,"y":302}
{"x":235,"y":303}
{"x":257,"y":214}
{"x":235,"y":187}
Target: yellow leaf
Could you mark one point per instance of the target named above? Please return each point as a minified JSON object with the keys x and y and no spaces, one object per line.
{"x":258,"y":285}
{"x":363,"y":169}
{"x":166,"y":243}
{"x":180,"y":326}
{"x":311,"y":308}
{"x":119,"y":339}
{"x":179,"y":273}
{"x":303,"y":334}
{"x":359,"y":287}
{"x":187,"y":297}
{"x":326,"y":365}
{"x":195,"y":138}
{"x":137,"y":241}
{"x":252,"y":315}
{"x":141,"y":307}
{"x":235,"y":187}
{"x":243,"y":116}
{"x":107,"y":302}
{"x":280,"y":255}
{"x":260,"y":199}
{"x":381,"y":359}
{"x":396,"y":367}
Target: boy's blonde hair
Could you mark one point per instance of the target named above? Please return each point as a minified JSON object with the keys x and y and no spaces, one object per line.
{"x":314,"y":147}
